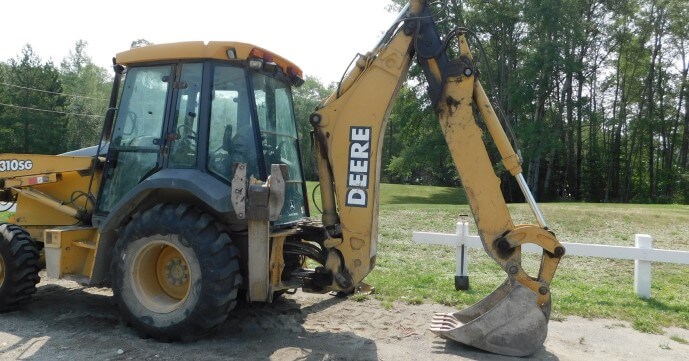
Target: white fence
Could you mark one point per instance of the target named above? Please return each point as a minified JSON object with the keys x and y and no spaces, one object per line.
{"x":642,"y":254}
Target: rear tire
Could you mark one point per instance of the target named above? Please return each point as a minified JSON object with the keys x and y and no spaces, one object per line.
{"x":175,"y":273}
{"x":19,"y":266}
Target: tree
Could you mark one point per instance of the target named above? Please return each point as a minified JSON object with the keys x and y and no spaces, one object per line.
{"x":416,"y":152}
{"x":597,"y":90}
{"x":139,"y":43}
{"x":32,"y":117}
{"x":89,"y":87}
{"x":6,"y":132}
{"x":306,"y":99}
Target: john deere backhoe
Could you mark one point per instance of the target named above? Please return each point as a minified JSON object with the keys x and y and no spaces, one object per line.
{"x":195,"y":194}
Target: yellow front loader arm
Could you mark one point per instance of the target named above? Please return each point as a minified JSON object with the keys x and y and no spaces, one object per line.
{"x":349,"y":129}
{"x":52,"y":189}
{"x":54,"y":197}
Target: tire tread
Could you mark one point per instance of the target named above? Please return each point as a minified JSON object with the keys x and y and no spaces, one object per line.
{"x":21,"y":258}
{"x":211,"y":245}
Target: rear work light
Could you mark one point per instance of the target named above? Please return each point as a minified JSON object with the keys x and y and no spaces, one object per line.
{"x":255,"y":63}
{"x":260,"y":59}
{"x":295,"y":77}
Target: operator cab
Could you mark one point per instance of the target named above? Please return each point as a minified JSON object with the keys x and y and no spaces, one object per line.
{"x":204,"y":107}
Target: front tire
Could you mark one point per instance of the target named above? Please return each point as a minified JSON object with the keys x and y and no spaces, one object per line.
{"x":19,"y":266}
{"x":175,"y":273}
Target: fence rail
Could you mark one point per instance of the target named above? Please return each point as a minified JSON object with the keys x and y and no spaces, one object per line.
{"x":643,"y":254}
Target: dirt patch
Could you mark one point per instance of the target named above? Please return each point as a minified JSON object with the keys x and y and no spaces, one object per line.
{"x":69,"y":322}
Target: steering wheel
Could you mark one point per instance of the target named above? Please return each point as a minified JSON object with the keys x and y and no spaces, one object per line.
{"x":187,"y":136}
{"x":132,"y":123}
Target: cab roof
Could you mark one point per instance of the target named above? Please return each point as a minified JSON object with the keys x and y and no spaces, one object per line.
{"x":199,"y":50}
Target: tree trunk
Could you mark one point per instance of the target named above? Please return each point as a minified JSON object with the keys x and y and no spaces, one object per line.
{"x":570,"y":186}
{"x":685,"y":136}
{"x":684,"y":147}
{"x":579,"y":145}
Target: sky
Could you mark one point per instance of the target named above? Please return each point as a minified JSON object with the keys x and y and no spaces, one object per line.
{"x":321,"y":37}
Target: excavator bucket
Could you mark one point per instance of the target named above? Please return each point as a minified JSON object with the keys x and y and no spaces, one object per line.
{"x":509,"y":322}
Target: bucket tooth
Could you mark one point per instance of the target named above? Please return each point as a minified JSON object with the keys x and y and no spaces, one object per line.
{"x":508,"y":322}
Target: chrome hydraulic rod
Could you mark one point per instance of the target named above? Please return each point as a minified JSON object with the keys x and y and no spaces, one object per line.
{"x":529,"y":199}
{"x":510,"y":158}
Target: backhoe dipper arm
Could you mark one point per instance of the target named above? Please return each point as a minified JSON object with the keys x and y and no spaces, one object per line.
{"x":349,"y":128}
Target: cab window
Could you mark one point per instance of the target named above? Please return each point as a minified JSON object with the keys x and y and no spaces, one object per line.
{"x":232,"y":136}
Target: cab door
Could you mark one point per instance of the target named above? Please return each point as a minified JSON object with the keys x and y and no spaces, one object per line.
{"x":278,"y":130}
{"x":182,"y":136}
{"x":137,"y":142}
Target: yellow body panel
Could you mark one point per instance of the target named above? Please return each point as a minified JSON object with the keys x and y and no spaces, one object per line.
{"x":21,"y":165}
{"x":71,"y":252}
{"x":277,"y":262}
{"x":197,"y":50}
{"x":31,"y":212}
{"x":49,"y":189}
{"x":31,"y":179}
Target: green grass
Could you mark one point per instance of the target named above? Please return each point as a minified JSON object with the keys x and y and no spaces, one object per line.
{"x":4,"y":216}
{"x":360,"y":297}
{"x":584,"y":286}
{"x":679,"y":339}
{"x":398,"y":194}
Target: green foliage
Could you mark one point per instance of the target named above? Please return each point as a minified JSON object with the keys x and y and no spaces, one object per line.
{"x":360,"y":297}
{"x":679,"y":339}
{"x":597,"y":92}
{"x":81,"y":76}
{"x":49,"y":110}
{"x":138,"y":43}
{"x":415,"y":151}
{"x":31,"y":116}
{"x":306,"y":99}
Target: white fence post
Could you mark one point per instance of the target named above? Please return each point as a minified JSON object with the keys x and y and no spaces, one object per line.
{"x":642,"y":269}
{"x":462,"y":266}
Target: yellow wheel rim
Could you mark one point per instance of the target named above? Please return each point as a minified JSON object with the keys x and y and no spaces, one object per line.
{"x":161,"y":277}
{"x":173,"y":273}
{"x":2,"y":271}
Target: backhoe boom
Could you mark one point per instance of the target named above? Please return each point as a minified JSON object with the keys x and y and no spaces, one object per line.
{"x":349,"y":129}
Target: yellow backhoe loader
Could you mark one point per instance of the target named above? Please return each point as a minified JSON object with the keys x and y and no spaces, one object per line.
{"x":195,"y":193}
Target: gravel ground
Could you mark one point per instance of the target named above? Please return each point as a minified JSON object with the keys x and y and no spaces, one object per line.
{"x":68,"y":322}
